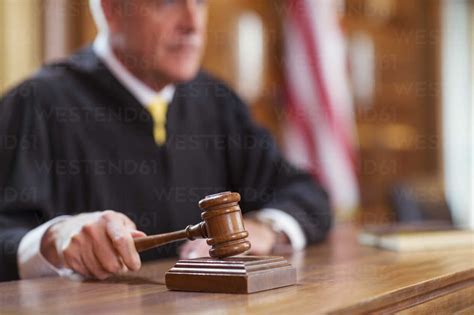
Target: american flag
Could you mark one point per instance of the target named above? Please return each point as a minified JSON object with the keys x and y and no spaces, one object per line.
{"x":320,"y":130}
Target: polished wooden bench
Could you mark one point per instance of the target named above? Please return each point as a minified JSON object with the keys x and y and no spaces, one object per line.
{"x":337,"y":277}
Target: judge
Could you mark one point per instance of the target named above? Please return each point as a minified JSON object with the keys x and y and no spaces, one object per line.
{"x":123,"y":139}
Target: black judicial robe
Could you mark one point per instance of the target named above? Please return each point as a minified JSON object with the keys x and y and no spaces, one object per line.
{"x":73,"y":139}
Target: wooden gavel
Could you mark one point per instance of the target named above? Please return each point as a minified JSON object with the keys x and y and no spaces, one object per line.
{"x":222,"y":226}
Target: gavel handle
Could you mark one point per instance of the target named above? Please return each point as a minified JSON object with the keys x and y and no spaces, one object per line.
{"x":191,"y":232}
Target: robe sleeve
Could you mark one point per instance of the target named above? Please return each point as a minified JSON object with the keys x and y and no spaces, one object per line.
{"x":266,"y":180}
{"x":25,"y":182}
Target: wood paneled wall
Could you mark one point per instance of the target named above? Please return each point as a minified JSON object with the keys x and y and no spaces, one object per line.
{"x":222,"y":50}
{"x":400,"y":131}
{"x":20,"y":40}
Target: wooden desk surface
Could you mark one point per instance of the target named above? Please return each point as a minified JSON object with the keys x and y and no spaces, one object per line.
{"x":338,"y":277}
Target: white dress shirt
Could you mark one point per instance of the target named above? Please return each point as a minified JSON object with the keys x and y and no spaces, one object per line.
{"x":32,"y":264}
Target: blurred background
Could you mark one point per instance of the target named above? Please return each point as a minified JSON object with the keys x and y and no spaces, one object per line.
{"x":373,"y":97}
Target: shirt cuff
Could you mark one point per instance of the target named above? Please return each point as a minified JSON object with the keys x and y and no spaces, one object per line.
{"x":284,"y":222}
{"x":31,"y":263}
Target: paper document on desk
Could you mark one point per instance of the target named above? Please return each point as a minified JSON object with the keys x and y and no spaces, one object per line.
{"x":405,"y":241}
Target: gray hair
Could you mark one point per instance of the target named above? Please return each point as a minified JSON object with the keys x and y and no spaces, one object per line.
{"x":99,"y":16}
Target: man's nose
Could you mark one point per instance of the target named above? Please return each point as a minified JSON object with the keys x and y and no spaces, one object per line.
{"x":192,"y":15}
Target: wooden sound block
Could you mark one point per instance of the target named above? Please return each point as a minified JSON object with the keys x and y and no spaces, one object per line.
{"x":246,"y":274}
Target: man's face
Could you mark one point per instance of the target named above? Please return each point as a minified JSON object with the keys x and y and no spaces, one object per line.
{"x":162,"y":38}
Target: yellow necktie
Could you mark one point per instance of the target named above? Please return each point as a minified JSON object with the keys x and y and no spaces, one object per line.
{"x":158,"y":108}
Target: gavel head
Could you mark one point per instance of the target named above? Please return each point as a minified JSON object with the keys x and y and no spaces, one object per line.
{"x":224,"y":225}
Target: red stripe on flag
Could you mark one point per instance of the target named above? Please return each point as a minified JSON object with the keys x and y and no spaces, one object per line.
{"x":312,"y":49}
{"x":304,"y":124}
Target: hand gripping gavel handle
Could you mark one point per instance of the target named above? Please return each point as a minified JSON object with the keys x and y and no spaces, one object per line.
{"x":191,"y":232}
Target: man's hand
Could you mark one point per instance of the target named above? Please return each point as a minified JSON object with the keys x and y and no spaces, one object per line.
{"x":97,"y":244}
{"x":261,"y":236}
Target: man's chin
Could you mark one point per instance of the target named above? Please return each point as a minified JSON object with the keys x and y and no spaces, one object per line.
{"x":182,"y":75}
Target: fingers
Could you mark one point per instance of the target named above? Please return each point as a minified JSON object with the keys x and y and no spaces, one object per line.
{"x":137,"y":234}
{"x":262,"y":237}
{"x":93,"y":265}
{"x":92,"y":255}
{"x":106,"y":254}
{"x":127,"y":222}
{"x":100,"y":245}
{"x":73,"y":260}
{"x":194,"y":249}
{"x":184,"y":250}
{"x":123,"y":243}
{"x":87,"y":273}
